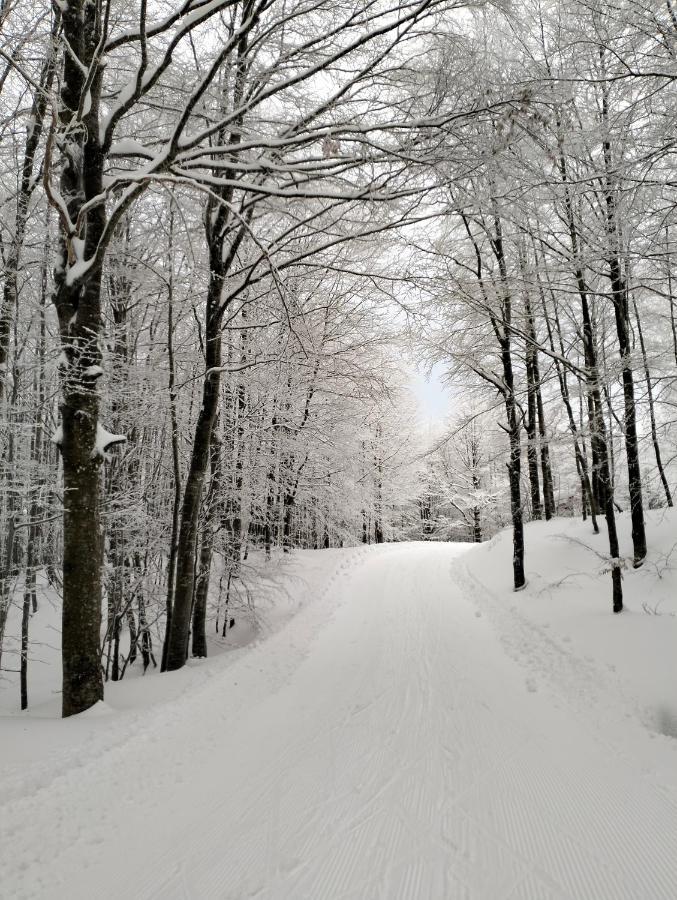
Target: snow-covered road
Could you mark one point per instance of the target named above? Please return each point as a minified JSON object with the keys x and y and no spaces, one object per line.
{"x":382,"y":745}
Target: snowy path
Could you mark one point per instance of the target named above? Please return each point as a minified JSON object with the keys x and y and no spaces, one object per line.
{"x":383,"y":745}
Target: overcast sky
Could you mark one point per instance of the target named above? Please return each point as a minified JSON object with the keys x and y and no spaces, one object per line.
{"x":433,"y":400}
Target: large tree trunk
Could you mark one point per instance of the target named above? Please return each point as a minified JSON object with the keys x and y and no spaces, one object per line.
{"x":78,"y":304}
{"x":82,"y":559}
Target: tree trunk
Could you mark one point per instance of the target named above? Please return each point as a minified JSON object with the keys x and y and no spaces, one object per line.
{"x":671,"y":298}
{"x":619,"y":289}
{"x":619,"y":296}
{"x":503,"y":336}
{"x":476,"y":513}
{"x":176,"y":460}
{"x":26,"y":187}
{"x":514,"y":470}
{"x":652,"y":413}
{"x":598,"y":438}
{"x":587,"y":498}
{"x":78,"y":304}
{"x":532,"y":448}
{"x":199,"y":649}
{"x":207,"y":547}
{"x":177,"y":649}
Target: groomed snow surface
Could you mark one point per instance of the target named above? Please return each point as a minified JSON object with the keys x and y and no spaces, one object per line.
{"x":414,"y":730}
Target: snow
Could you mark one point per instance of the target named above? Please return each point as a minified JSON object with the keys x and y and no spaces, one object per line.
{"x":413,"y":730}
{"x":104,"y":439}
{"x":128,"y":147}
{"x":566,"y":607}
{"x":78,"y":270}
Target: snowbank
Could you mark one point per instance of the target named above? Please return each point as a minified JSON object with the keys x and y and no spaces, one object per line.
{"x":562,"y":630}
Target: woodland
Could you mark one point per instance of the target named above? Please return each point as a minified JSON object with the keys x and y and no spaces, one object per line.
{"x":229,"y":232}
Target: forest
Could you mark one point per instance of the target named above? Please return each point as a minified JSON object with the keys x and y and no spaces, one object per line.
{"x":231,"y":230}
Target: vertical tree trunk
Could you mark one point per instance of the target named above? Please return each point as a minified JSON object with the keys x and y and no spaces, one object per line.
{"x":378,"y":508}
{"x":503,"y":336}
{"x":587,"y":498}
{"x":207,"y":547}
{"x":27,"y":185}
{"x":29,"y":598}
{"x":671,"y":298}
{"x":7,"y":574}
{"x":652,"y":413}
{"x":532,"y":446}
{"x":619,"y":289}
{"x":598,"y":439}
{"x":476,"y":513}
{"x":546,"y":469}
{"x":177,"y":649}
{"x":619,"y":296}
{"x":199,"y":649}
{"x":77,"y":297}
{"x":176,"y":460}
{"x":514,"y":469}
{"x":232,"y":517}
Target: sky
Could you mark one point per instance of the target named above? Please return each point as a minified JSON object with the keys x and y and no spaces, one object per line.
{"x":434,"y":400}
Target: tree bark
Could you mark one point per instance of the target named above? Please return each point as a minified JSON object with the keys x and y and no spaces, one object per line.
{"x":207,"y":547}
{"x":27,"y":185}
{"x":588,"y":500}
{"x":652,"y":413}
{"x":671,"y":298}
{"x":619,"y":296}
{"x":177,"y":649}
{"x":598,"y":437}
{"x":78,"y":305}
{"x":532,"y":448}
{"x":176,"y":460}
